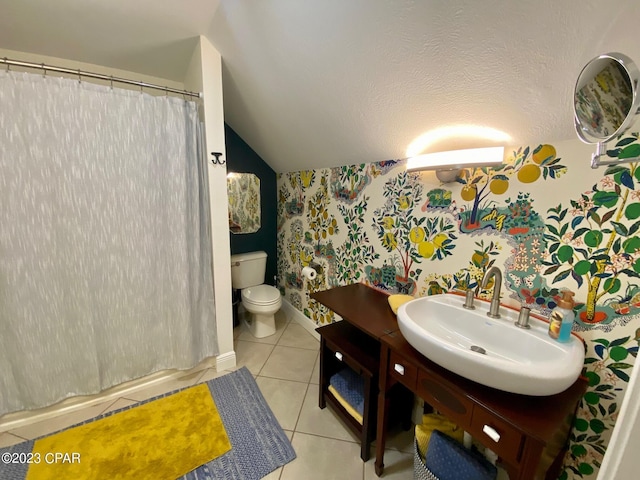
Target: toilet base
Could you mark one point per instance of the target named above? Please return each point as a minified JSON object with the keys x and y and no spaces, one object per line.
{"x":260,"y":325}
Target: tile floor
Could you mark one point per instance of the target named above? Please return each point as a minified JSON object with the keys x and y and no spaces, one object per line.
{"x":285,"y":366}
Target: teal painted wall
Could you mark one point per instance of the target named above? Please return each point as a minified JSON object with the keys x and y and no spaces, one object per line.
{"x":242,"y":158}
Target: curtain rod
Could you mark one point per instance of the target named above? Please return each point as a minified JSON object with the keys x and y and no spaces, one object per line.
{"x":82,"y":73}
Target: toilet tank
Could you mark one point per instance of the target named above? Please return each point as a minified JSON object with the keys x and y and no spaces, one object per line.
{"x":248,"y":269}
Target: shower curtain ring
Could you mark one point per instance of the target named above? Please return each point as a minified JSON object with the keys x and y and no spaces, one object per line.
{"x":6,"y":61}
{"x":44,"y":68}
{"x":111,"y":82}
{"x":79,"y":77}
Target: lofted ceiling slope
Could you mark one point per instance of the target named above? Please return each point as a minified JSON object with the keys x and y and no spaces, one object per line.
{"x":319,"y":83}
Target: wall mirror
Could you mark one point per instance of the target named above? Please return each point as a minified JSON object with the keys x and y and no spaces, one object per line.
{"x":243,"y":190}
{"x":606,"y":101}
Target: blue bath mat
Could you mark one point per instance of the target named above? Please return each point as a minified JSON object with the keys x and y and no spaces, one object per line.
{"x":258,"y":443}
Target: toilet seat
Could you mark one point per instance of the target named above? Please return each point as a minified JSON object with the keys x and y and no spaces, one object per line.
{"x":261,"y":295}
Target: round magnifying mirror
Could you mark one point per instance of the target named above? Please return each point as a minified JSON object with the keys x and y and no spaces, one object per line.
{"x":605,"y":100}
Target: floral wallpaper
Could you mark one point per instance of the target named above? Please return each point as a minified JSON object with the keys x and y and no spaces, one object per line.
{"x":544,"y":217}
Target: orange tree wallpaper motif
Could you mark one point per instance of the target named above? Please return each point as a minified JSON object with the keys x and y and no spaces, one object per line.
{"x":594,"y":243}
{"x":544,"y":217}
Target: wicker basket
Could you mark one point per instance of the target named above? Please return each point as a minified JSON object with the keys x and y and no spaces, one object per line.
{"x":451,"y":460}
{"x":420,"y":470}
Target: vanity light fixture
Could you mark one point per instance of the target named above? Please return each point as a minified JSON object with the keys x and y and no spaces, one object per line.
{"x":448,"y":164}
{"x":465,"y":135}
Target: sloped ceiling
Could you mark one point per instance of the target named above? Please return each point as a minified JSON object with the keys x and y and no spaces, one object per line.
{"x":317,"y":83}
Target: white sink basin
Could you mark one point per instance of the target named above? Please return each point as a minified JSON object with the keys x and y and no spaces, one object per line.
{"x":521,"y":361}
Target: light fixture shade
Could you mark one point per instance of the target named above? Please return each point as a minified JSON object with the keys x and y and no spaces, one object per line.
{"x":455,"y":159}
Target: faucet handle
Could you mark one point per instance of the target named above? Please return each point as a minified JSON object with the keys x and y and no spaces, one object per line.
{"x":468,"y":301}
{"x":523,"y":317}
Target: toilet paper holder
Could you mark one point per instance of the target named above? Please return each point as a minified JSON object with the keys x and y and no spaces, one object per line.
{"x":311,"y":271}
{"x":317,"y":267}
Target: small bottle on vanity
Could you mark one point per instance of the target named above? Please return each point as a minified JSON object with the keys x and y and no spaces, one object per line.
{"x":561,"y":319}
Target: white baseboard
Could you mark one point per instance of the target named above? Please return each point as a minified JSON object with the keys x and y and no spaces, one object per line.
{"x":226,"y":361}
{"x":294,"y":314}
{"x":72,"y":404}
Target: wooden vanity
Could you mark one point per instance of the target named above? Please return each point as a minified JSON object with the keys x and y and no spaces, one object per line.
{"x":357,"y":345}
{"x":529,"y":434}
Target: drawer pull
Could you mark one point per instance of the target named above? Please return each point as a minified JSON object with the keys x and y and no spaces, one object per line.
{"x":491,"y":433}
{"x":399,"y":368}
{"x":339,"y":356}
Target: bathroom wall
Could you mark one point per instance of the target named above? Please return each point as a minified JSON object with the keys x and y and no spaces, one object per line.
{"x":242,"y":158}
{"x":545,"y":218}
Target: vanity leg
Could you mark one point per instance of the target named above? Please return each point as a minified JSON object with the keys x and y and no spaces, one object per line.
{"x":323,"y":372}
{"x":383,"y":410}
{"x":556,"y":466}
{"x":369,"y":416}
{"x":530,"y":465}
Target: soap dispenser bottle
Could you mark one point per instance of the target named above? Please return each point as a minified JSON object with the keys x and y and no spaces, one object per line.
{"x":561,"y":319}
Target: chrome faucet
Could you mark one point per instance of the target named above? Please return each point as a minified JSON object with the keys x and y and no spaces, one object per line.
{"x":468,"y":302}
{"x":494,"y":309}
{"x":523,"y":318}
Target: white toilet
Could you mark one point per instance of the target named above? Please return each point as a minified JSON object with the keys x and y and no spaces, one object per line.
{"x":261,"y":301}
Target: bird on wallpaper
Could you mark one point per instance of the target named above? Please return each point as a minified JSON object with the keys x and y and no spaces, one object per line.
{"x":451,"y":207}
{"x":305,"y":258}
{"x":493,"y":215}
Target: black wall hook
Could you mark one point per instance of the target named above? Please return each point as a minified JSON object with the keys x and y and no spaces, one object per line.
{"x":217,"y":160}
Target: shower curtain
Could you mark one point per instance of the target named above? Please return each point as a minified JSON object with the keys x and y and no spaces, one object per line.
{"x":105,"y":244}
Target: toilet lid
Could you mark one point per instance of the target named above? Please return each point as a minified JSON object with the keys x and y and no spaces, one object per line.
{"x":261,"y":294}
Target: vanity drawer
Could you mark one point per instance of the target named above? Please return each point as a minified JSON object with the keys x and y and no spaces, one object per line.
{"x":404,"y":372}
{"x":344,"y":343}
{"x":444,"y":398}
{"x":496,"y":435}
{"x":341,"y":354}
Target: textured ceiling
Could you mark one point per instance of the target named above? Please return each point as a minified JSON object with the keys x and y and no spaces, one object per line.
{"x":153,"y":37}
{"x":319,"y":83}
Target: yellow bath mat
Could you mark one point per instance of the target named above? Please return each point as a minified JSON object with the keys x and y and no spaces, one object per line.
{"x":161,"y":439}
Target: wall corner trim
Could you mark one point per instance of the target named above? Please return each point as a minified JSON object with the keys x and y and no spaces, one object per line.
{"x":295,"y":314}
{"x":226,"y":361}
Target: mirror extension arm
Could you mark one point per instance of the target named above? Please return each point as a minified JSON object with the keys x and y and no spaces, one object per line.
{"x":601,"y":152}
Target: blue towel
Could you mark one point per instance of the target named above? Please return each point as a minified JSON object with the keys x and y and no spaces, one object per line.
{"x":350,"y":386}
{"x":447,"y":459}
